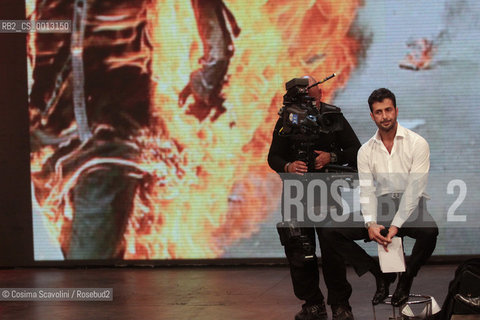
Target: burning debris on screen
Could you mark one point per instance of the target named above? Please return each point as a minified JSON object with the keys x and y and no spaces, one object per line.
{"x":421,"y":55}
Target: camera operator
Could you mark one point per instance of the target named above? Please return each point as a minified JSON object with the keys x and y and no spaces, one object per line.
{"x":337,"y":147}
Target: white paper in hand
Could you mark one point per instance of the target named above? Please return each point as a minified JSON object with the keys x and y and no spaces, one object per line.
{"x":393,"y":260}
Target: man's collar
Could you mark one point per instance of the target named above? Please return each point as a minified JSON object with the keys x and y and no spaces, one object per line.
{"x":401,"y":131}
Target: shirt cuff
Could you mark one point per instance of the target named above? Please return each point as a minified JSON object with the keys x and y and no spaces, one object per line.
{"x":369,"y":219}
{"x":397,"y":221}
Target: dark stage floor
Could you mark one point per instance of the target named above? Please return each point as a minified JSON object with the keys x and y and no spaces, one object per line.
{"x":191,"y":293}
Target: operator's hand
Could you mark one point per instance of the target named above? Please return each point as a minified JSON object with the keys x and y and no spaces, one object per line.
{"x":374,"y":234}
{"x":298,"y":167}
{"x":322,"y":159}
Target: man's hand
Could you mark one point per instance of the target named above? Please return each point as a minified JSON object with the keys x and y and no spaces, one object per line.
{"x":322,"y":159}
{"x":392,"y":232}
{"x":298,"y":167}
{"x":375,"y":235}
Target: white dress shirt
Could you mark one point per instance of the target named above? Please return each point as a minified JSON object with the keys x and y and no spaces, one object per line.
{"x":404,"y":170}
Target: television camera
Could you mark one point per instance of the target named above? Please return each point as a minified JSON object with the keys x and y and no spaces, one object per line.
{"x":303,"y":120}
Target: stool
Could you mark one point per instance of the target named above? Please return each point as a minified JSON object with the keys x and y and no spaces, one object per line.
{"x":413,"y":300}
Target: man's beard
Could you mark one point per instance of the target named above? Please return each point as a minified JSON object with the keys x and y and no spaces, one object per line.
{"x":390,"y":127}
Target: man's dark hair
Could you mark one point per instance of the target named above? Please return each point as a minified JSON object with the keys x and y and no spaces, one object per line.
{"x":379,"y":95}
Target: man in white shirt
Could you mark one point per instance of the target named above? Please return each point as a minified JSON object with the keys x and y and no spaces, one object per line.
{"x":393,"y":171}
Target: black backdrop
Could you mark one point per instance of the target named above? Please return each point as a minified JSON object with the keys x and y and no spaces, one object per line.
{"x":16,"y":245}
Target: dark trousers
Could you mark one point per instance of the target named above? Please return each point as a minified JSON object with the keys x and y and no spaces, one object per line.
{"x":305,"y":276}
{"x":420,"y":227}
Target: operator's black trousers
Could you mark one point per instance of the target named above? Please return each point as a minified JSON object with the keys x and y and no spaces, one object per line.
{"x":305,"y":277}
{"x":420,"y":226}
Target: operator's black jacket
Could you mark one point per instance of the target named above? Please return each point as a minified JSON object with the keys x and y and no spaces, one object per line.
{"x":344,"y":143}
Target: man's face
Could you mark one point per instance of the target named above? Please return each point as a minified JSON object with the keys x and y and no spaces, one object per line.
{"x":315,"y":92}
{"x":384,"y":114}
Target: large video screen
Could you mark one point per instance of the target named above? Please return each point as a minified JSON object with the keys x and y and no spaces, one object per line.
{"x":151,"y":120}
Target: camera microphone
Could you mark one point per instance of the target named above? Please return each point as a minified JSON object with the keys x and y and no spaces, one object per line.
{"x":322,"y":81}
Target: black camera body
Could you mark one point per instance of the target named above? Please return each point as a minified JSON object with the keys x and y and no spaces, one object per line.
{"x":303,"y":120}
{"x":302,"y":117}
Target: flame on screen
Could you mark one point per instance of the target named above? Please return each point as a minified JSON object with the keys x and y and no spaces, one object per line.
{"x":207,"y":184}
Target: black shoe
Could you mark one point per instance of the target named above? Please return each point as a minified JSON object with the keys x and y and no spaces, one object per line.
{"x":342,"y":312}
{"x":312,"y":312}
{"x":383,"y":284}
{"x":400,"y":296}
{"x":473,"y":303}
